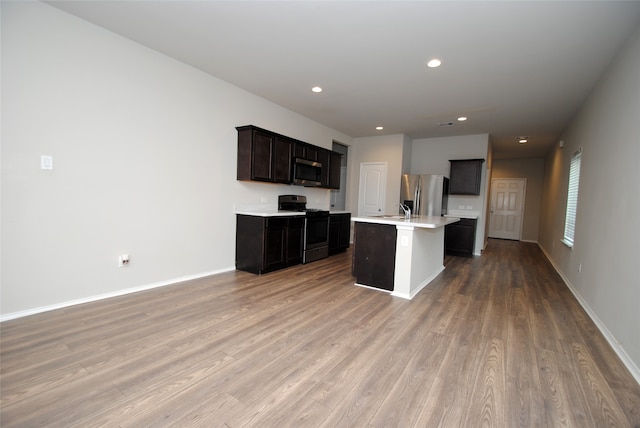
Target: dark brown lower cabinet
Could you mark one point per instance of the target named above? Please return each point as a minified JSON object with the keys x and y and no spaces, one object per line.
{"x":265,"y":244}
{"x":339,"y":232}
{"x":460,"y":237}
{"x":295,"y":238}
{"x":374,"y":254}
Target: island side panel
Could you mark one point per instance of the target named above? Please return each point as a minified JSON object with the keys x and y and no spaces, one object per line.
{"x":419,"y":259}
{"x":428,"y":256}
{"x":374,"y":255}
{"x":404,"y":262}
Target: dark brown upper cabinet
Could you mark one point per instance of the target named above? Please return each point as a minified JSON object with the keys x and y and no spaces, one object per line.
{"x":324,"y":157}
{"x":263,"y":155}
{"x":306,"y":151}
{"x":465,"y":176}
{"x":267,"y":156}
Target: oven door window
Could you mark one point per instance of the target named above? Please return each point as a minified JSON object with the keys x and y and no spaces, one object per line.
{"x":317,"y":232}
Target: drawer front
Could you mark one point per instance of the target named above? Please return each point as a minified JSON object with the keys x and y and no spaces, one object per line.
{"x":296,"y":221}
{"x":276,"y":222}
{"x":467,"y":222}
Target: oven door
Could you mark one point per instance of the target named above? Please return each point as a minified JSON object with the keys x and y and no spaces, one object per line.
{"x":316,"y":237}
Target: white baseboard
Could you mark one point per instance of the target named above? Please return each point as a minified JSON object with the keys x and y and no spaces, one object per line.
{"x":611,"y":339}
{"x":423,"y":284}
{"x":372,"y":288}
{"x":33,"y":311}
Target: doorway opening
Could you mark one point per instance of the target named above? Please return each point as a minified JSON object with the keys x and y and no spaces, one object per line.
{"x":338,"y":196}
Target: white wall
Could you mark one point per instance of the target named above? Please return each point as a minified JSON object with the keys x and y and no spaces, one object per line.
{"x":407,"y":148}
{"x":607,"y":227}
{"x":533,"y":171}
{"x":432,"y":155}
{"x":386,"y":148}
{"x":144,"y":151}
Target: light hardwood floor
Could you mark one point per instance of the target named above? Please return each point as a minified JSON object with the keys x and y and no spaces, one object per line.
{"x":494,"y":341}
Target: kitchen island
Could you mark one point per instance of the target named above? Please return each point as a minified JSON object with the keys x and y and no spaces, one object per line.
{"x":398,"y":255}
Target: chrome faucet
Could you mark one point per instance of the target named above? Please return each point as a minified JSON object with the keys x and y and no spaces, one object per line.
{"x":406,"y":210}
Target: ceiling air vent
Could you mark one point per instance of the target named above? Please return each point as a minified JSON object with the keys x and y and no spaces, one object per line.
{"x":445,"y":124}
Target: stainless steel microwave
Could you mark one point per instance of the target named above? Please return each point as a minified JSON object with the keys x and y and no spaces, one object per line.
{"x":307,"y":173}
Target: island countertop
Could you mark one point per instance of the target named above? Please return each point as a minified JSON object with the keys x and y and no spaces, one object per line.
{"x":424,"y":222}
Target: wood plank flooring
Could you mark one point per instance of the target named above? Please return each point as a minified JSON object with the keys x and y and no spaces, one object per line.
{"x":494,"y":341}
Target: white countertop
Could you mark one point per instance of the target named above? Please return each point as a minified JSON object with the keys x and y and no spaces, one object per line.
{"x":265,"y":212}
{"x":475,"y":217}
{"x":463,"y":214}
{"x":270,"y":213}
{"x":425,"y":222}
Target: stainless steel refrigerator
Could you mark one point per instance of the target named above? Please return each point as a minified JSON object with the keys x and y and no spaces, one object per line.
{"x":425,"y":194}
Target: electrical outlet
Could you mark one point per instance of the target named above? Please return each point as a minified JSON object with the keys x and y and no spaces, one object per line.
{"x":123,"y":260}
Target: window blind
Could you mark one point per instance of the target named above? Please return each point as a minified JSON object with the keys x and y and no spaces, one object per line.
{"x":572,"y":198}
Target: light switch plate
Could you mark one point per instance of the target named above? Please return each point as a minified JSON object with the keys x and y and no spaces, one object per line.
{"x":46,"y":162}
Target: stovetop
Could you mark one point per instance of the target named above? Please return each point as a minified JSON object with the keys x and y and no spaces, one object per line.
{"x":297,"y":203}
{"x":310,"y":212}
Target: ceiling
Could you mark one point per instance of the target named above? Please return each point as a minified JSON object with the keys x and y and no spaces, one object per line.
{"x":519,"y":68}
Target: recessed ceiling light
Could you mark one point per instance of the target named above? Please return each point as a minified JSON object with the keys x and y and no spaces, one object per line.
{"x":379,"y":128}
{"x":462,"y":118}
{"x":434,"y":63}
{"x":316,"y":89}
{"x":522,"y":140}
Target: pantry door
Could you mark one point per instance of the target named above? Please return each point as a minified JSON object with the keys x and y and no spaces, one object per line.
{"x":373,"y":188}
{"x":507,"y":207}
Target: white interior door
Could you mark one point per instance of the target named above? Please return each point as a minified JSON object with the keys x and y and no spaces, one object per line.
{"x":373,"y":186}
{"x":507,"y":206}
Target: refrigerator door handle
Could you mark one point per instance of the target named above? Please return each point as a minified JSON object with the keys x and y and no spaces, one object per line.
{"x":418,"y":193}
